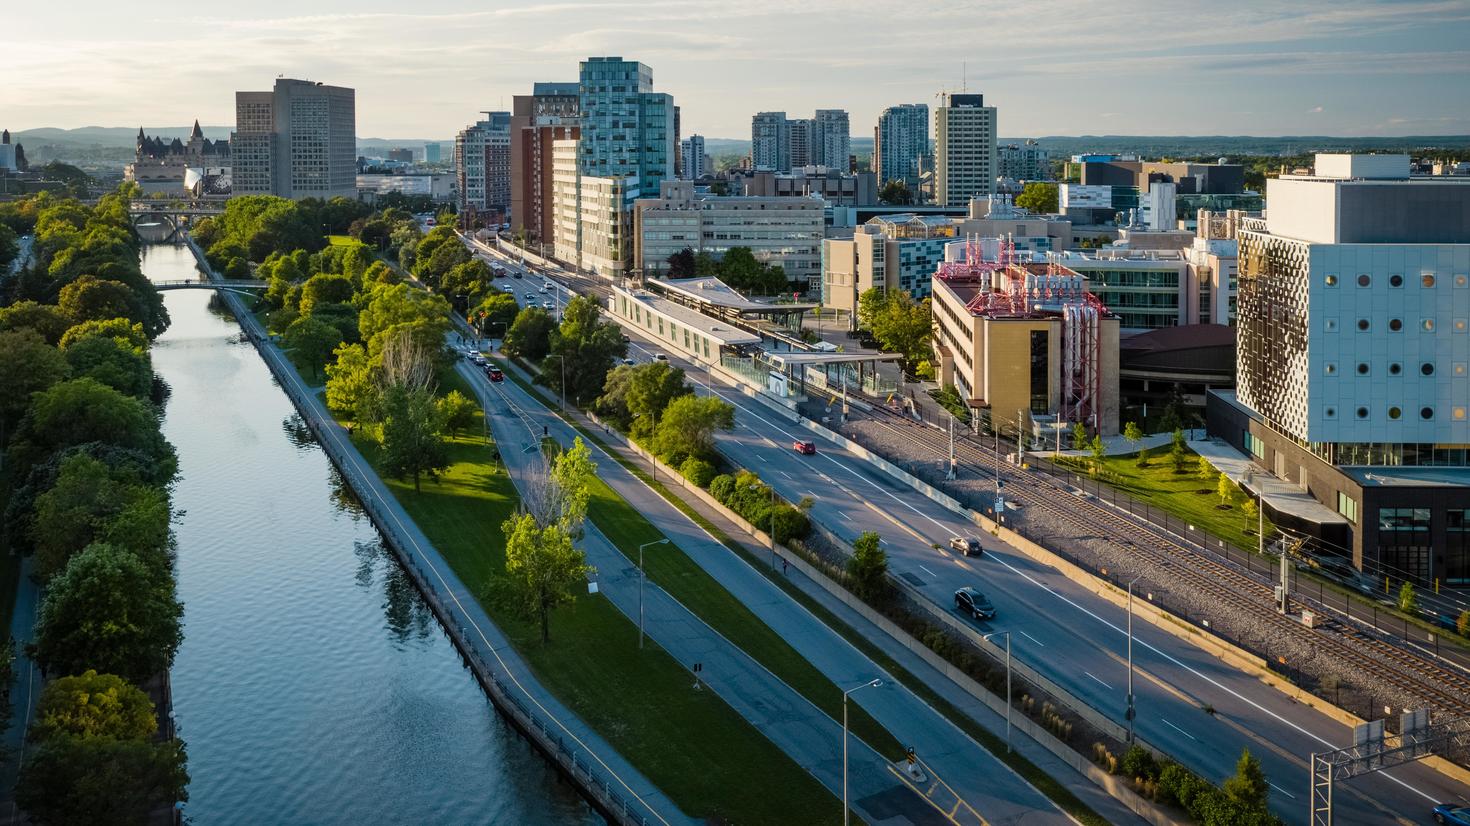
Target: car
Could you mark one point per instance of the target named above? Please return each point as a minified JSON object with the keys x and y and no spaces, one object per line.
{"x":546,"y":305}
{"x":660,"y":357}
{"x":515,"y":273}
{"x":1451,"y":814}
{"x":545,"y":287}
{"x":805,"y":448}
{"x":970,"y":601}
{"x":967,"y":545}
{"x":548,"y":286}
{"x":628,"y":362}
{"x":495,"y":374}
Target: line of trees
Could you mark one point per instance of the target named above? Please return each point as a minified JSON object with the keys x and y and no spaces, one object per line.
{"x":253,"y":227}
{"x":86,"y":483}
{"x":738,"y":267}
{"x":576,"y":355}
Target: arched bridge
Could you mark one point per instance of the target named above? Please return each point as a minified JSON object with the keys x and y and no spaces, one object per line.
{"x":239,"y":285}
{"x":177,"y":216}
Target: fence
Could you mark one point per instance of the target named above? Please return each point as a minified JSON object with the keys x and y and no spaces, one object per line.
{"x":549,"y":736}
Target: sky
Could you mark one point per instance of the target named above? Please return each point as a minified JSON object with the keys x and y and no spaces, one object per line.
{"x":1051,"y":67}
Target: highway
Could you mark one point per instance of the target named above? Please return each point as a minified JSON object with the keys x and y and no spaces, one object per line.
{"x":1071,"y":636}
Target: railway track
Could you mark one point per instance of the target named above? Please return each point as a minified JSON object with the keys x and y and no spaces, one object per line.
{"x":1379,"y":661}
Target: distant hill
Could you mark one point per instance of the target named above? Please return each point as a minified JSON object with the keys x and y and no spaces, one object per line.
{"x":110,"y":137}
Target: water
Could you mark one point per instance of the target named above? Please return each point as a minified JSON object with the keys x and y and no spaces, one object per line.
{"x":313,"y":685}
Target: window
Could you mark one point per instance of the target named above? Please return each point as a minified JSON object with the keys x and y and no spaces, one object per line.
{"x":1427,"y":279}
{"x":1395,"y":280}
{"x":1330,"y":280}
{"x":1330,"y":368}
{"x":1395,"y":324}
{"x":1459,"y":369}
{"x":1394,"y":368}
{"x":1462,"y":280}
{"x":1362,"y":412}
{"x":1427,"y":325}
{"x":1329,"y":325}
{"x":1460,"y":325}
{"x":1040,"y":398}
{"x":1427,"y":368}
{"x":1363,"y":325}
{"x":1364,"y":280}
{"x":1459,"y":414}
{"x":1426,"y":413}
{"x":1394,"y":413}
{"x":1348,"y":507}
{"x":1362,"y":368}
{"x":1329,"y":412}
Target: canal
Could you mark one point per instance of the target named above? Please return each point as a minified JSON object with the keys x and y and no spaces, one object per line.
{"x":313,"y":685}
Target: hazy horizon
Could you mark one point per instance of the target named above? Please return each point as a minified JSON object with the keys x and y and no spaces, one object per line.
{"x":1358,"y":68}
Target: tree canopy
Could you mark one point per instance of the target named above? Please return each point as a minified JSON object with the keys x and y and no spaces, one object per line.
{"x":1040,"y":198}
{"x":544,"y":569}
{"x":588,"y":346}
{"x":899,"y":323}
{"x":95,"y":781}
{"x":688,"y":425}
{"x":86,"y":410}
{"x":530,"y":335}
{"x":93,"y":705}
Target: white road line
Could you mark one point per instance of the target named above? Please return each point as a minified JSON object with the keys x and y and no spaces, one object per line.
{"x":844,"y":516}
{"x":1033,"y":639}
{"x":760,"y":457}
{"x":929,"y":572}
{"x":787,"y":475}
{"x":1100,"y":682}
{"x":1283,"y":791}
{"x":1178,"y":729}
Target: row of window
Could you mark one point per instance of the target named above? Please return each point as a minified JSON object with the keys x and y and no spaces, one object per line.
{"x":1460,"y":368}
{"x":1395,"y":325}
{"x":1395,"y":413}
{"x":1426,"y":280}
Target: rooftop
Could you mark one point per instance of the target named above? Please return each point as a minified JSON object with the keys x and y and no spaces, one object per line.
{"x":716,"y":293}
{"x":716,"y":329}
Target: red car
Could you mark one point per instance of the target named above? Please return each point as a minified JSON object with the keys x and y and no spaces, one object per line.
{"x":804,"y":448}
{"x":495,"y":374}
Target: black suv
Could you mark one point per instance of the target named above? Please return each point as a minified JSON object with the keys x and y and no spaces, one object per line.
{"x":967,"y":600}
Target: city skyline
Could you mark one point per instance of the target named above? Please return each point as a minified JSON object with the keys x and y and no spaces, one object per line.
{"x":425,"y":76}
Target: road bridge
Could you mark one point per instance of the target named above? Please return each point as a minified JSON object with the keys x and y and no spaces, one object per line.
{"x":240,"y":286}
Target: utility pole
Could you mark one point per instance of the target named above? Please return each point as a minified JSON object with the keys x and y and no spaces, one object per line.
{"x":1131,"y":712}
{"x":950,"y":475}
{"x":1020,"y":436}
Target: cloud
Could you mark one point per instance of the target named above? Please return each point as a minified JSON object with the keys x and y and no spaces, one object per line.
{"x":1315,"y":110}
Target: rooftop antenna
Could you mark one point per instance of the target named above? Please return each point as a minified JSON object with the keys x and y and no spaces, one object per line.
{"x":964,"y":75}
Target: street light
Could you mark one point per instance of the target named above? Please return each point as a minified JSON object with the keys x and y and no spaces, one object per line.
{"x":1007,"y":635}
{"x":642,"y":576}
{"x":874,"y":683}
{"x":1132,"y":712}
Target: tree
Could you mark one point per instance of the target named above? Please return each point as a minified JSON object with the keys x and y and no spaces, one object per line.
{"x":90,"y":501}
{"x":94,"y":781}
{"x":868,"y":565}
{"x":90,"y":298}
{"x":588,"y":346}
{"x":688,"y":425}
{"x":896,"y":192}
{"x":110,"y":611}
{"x":870,"y":303}
{"x":496,"y":313}
{"x":1225,"y":488}
{"x":47,"y":320}
{"x":543,"y":567}
{"x":117,"y":365}
{"x":1177,"y":453}
{"x":93,"y":705}
{"x":1248,"y":786}
{"x":1408,"y":600}
{"x":1079,"y":436}
{"x":1099,"y":450}
{"x":1205,"y":470}
{"x":564,"y":502}
{"x":681,"y":264}
{"x":530,"y":336}
{"x":29,"y":365}
{"x":390,"y":307}
{"x":1132,"y":434}
{"x":352,"y":383}
{"x":1462,"y":623}
{"x":126,"y":333}
{"x":1249,"y":508}
{"x":902,"y":325}
{"x":313,"y":340}
{"x":325,"y":289}
{"x":651,"y":387}
{"x":457,"y":412}
{"x":1040,"y":198}
{"x":412,"y":430}
{"x":85,"y":410}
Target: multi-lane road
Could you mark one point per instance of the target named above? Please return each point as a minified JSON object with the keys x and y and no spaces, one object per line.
{"x":1068,"y":634}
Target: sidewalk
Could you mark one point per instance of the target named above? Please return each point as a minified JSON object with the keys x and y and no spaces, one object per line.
{"x":778,"y":711}
{"x":979,"y":777}
{"x":587,"y":746}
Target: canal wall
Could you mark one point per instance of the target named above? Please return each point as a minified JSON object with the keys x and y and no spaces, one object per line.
{"x":607,"y":793}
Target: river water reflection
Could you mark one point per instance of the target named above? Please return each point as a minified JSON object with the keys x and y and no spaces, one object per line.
{"x":313,"y":685}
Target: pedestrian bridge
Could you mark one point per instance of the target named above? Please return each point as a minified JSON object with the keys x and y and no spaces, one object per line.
{"x":239,"y":285}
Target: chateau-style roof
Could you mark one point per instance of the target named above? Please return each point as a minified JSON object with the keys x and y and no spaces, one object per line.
{"x":197,"y":146}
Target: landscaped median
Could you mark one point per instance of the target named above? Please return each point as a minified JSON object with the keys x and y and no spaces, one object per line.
{"x":693,"y":746}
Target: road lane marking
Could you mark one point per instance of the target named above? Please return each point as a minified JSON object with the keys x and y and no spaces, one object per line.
{"x":760,"y":457}
{"x":1033,"y":639}
{"x":1178,"y":729}
{"x":1099,"y":682}
{"x":844,"y":516}
{"x":929,"y":572}
{"x":1283,"y":791}
{"x":787,"y":475}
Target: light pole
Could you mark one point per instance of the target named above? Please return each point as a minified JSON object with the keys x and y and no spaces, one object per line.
{"x":874,"y":683}
{"x":641,"y":577}
{"x":1131,"y":712}
{"x":1007,"y":635}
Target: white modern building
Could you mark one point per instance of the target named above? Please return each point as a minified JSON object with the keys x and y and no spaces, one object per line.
{"x":900,"y":143}
{"x":964,"y":149}
{"x":694,"y":162}
{"x":779,"y":231}
{"x":298,"y":140}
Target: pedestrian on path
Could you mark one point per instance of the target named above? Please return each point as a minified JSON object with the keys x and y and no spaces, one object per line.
{"x":783,"y":566}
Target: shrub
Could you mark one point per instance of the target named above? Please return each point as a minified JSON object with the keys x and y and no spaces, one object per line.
{"x":698,"y":471}
{"x":1462,"y":624}
{"x":1138,"y":763}
{"x":721,"y":487}
{"x":791,"y":524}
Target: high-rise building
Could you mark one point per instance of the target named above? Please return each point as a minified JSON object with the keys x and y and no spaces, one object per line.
{"x":550,"y":113}
{"x":770,"y":142}
{"x":831,"y":140}
{"x":692,"y":158}
{"x":298,"y":140}
{"x":900,"y":142}
{"x":800,"y":138}
{"x":1023,"y":162}
{"x":433,"y":153}
{"x":625,"y":149}
{"x":401,"y":154}
{"x":964,"y":149}
{"x":1353,"y":362}
{"x":482,"y":164}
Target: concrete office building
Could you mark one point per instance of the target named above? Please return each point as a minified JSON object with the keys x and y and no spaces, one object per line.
{"x":624,"y":151}
{"x":1023,"y":162}
{"x":694,"y":163}
{"x":1214,"y":260}
{"x":900,"y":142}
{"x":770,"y":142}
{"x":1024,"y":344}
{"x":964,"y":149}
{"x":780,"y":231}
{"x":550,"y":113}
{"x":833,"y":187}
{"x":298,"y":140}
{"x":482,"y":165}
{"x":781,"y":144}
{"x":1354,"y":361}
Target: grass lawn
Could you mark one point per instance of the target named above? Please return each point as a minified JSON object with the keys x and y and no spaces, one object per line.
{"x":341,"y":240}
{"x":693,"y":746}
{"x":1186,"y":495}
